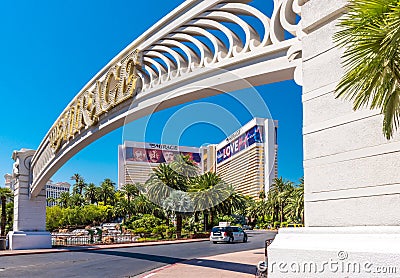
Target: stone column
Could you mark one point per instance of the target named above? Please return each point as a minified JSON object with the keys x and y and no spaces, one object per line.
{"x":351,"y":172}
{"x":29,"y":231}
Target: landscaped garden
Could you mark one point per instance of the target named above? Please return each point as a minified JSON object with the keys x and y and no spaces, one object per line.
{"x":175,"y":202}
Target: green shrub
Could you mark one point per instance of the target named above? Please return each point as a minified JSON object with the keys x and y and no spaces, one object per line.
{"x":142,"y":232}
{"x":226,"y":218}
{"x":147,"y":221}
{"x":160,"y":230}
{"x":58,"y":217}
{"x":170,"y":232}
{"x":200,"y":235}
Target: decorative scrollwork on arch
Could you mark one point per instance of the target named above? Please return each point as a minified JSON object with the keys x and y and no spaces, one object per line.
{"x":223,"y":31}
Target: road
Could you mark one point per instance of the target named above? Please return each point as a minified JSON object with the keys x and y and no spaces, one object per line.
{"x":119,"y":262}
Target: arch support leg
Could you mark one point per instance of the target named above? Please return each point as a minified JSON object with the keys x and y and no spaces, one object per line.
{"x":29,"y":229}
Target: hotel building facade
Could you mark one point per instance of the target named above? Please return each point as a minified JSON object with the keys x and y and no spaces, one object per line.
{"x":54,"y":190}
{"x":247,"y":159}
{"x":8,"y":182}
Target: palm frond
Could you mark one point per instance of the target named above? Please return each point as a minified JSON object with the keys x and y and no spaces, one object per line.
{"x":370,"y":35}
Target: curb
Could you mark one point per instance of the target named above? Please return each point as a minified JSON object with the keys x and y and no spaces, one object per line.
{"x":97,"y":247}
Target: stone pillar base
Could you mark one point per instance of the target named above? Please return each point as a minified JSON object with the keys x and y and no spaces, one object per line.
{"x":19,"y":240}
{"x":335,"y":252}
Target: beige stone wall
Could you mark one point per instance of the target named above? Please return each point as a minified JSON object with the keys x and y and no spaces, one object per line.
{"x":350,"y":169}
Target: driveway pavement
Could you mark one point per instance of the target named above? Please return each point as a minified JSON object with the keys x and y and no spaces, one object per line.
{"x":178,"y":258}
{"x":231,"y":265}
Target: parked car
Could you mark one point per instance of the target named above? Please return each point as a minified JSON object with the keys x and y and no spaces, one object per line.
{"x":227,"y":234}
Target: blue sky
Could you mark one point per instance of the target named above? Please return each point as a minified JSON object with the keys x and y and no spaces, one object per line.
{"x":51,"y":49}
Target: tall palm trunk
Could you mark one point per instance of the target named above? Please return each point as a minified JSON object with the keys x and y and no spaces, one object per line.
{"x":3,"y":215}
{"x":211,"y":218}
{"x":178,"y":226}
{"x":275,"y":214}
{"x":205,"y":216}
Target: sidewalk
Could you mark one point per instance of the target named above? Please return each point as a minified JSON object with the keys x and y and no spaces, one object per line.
{"x":232,"y":265}
{"x":95,"y":247}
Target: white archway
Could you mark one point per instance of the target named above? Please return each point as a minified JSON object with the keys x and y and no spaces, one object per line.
{"x":161,"y":67}
{"x":159,"y":70}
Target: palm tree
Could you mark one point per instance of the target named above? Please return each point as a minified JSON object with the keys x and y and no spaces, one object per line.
{"x":207,"y":192}
{"x":234,"y":202}
{"x":278,"y":196}
{"x":64,"y":199}
{"x":79,"y":187}
{"x":180,"y":204}
{"x":259,"y":208}
{"x":165,"y":180}
{"x":79,"y":183}
{"x":4,"y":194}
{"x":107,"y":191}
{"x":162,"y":181}
{"x":272,"y":206}
{"x":295,"y":207}
{"x":77,"y":200}
{"x":370,"y":34}
{"x":172,"y":178}
{"x":122,"y":209}
{"x":91,"y":193}
{"x":131,"y":190}
{"x":140,"y":204}
{"x":76,"y":177}
{"x":185,"y":167}
{"x":51,"y":201}
{"x":10,"y":214}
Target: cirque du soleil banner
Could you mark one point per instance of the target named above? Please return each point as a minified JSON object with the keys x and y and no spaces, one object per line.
{"x":243,"y":141}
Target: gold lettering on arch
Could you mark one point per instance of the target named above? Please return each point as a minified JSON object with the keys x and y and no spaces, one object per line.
{"x":119,"y":85}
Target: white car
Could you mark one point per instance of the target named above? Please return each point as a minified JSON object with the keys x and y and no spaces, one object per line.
{"x":227,"y":234}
